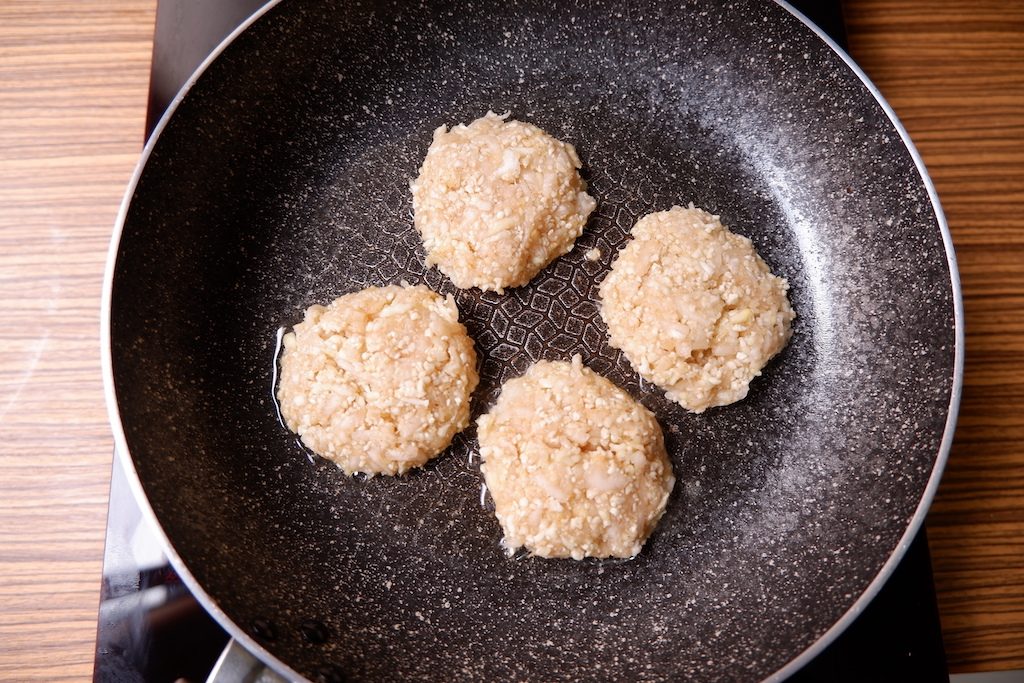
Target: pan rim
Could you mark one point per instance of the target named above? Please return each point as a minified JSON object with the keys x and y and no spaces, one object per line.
{"x":952,"y":413}
{"x":917,"y":520}
{"x":121,"y":452}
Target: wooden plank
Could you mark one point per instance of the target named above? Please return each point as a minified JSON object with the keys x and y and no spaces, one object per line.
{"x":73,"y":88}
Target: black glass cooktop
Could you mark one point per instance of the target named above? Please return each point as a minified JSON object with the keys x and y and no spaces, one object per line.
{"x":152,"y":629}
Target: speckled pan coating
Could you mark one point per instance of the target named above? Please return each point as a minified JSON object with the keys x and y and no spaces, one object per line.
{"x":282,"y":180}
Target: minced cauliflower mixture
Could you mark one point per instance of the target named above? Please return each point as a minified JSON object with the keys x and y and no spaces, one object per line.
{"x":694,"y":308}
{"x":378,"y":381}
{"x":576,"y":467}
{"x":496,"y":201}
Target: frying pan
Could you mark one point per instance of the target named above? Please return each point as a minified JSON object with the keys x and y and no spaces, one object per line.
{"x":280,"y":179}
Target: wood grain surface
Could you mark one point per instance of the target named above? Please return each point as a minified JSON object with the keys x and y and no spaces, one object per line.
{"x":954,"y":73}
{"x":73,"y":81}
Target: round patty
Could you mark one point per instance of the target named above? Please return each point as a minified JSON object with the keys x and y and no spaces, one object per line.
{"x":496,"y":201}
{"x":694,"y":308}
{"x":576,"y":467}
{"x":378,"y":381}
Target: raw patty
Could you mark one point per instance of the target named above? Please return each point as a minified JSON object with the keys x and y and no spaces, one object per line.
{"x":575,"y":466}
{"x":694,"y":308}
{"x":496,"y":201}
{"x":378,"y":381}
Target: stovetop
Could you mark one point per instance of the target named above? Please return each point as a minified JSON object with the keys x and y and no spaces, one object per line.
{"x":152,"y":629}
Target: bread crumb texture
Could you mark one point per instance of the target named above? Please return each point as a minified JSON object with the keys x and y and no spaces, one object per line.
{"x":497,"y":200}
{"x":576,"y":467}
{"x":378,"y":381}
{"x":694,"y":308}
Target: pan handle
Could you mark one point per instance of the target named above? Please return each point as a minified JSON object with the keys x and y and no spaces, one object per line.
{"x":237,"y":665}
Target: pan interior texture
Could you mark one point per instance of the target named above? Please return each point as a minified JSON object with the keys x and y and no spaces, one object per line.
{"x":282,"y":180}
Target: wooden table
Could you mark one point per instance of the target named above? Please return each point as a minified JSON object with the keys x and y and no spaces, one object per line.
{"x":73,"y":78}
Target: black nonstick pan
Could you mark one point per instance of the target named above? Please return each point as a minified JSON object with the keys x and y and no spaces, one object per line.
{"x":280,"y":179}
